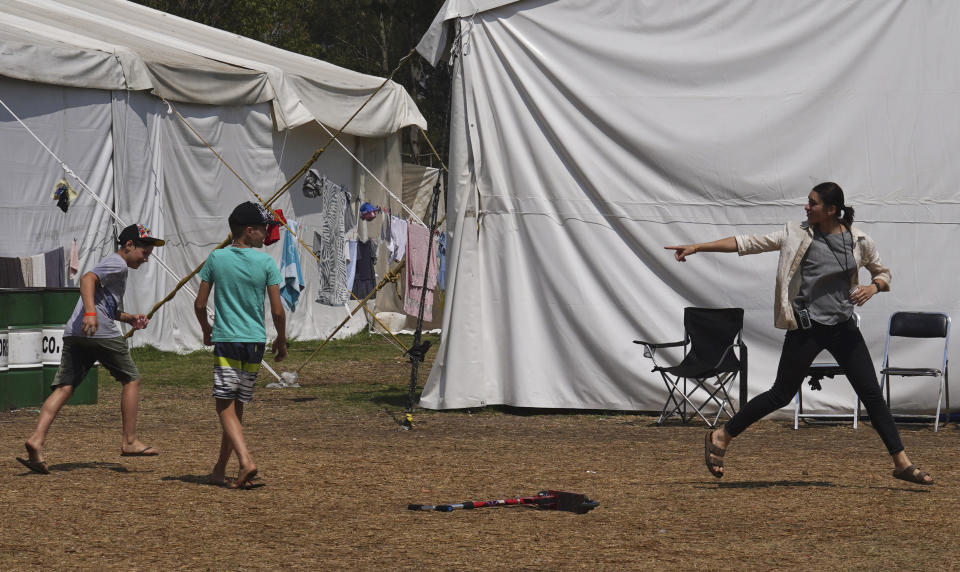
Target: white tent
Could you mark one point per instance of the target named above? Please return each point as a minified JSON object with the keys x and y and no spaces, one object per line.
{"x":586,"y":136}
{"x":88,"y":77}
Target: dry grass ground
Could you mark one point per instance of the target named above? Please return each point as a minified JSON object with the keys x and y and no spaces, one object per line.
{"x":338,"y":474}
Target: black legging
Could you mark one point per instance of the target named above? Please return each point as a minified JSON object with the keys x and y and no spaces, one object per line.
{"x":800,"y":347}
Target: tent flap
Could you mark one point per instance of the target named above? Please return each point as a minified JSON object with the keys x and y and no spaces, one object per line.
{"x":115,"y":44}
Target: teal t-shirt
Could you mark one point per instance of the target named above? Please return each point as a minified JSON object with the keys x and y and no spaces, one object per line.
{"x":239,"y":277}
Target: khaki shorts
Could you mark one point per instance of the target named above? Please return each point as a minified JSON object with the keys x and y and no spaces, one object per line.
{"x":80,"y":353}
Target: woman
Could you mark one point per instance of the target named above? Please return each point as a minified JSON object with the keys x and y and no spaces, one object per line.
{"x":817,"y":287}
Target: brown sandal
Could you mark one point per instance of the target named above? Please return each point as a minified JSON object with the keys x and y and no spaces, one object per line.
{"x":713,"y":465}
{"x":913,"y":474}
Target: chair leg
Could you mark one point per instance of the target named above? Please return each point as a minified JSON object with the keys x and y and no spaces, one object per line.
{"x":796,"y":411}
{"x":936,"y":423}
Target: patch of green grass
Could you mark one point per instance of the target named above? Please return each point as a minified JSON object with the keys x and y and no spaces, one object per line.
{"x":194,"y":370}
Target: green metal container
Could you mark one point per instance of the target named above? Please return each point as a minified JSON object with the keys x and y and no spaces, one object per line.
{"x":84,"y":394}
{"x":24,"y":307}
{"x":58,"y":305}
{"x":4,"y":308}
{"x":23,"y":388}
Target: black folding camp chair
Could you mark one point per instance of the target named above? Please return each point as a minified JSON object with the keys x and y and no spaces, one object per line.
{"x":931,"y":325}
{"x":714,"y":355}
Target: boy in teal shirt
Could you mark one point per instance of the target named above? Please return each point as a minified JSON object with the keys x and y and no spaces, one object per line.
{"x":240,"y":275}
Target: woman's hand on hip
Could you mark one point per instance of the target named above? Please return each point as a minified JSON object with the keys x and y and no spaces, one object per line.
{"x":861,"y":294}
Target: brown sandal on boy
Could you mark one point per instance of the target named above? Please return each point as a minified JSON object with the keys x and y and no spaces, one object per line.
{"x":913,"y":474}
{"x":713,"y":465}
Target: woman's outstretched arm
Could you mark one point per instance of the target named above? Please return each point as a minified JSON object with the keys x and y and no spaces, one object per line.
{"x":681,"y":252}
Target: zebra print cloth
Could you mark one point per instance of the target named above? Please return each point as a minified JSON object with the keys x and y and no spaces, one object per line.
{"x":329,"y":242}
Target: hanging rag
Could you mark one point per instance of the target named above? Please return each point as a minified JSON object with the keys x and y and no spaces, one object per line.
{"x":418,"y":239}
{"x":290,"y":268}
{"x":74,"y":265}
{"x":54,"y":263}
{"x":11,"y":273}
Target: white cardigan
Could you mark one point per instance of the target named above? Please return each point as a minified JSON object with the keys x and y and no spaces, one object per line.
{"x":792,"y":242}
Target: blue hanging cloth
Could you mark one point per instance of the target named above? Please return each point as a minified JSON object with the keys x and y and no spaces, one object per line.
{"x":290,"y":269}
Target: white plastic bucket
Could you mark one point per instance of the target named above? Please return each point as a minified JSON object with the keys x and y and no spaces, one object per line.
{"x":24,"y":348}
{"x":51,"y":346}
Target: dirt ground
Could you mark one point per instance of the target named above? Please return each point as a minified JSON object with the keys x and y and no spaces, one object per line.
{"x":336,"y":485}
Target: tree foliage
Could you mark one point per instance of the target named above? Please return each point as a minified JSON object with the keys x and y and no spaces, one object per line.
{"x":368,"y":36}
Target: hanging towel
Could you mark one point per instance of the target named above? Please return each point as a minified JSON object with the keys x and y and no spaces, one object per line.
{"x":54,"y":263}
{"x":39,"y":263}
{"x":11,"y":273}
{"x":74,"y":266}
{"x":418,"y":237}
{"x":290,"y":268}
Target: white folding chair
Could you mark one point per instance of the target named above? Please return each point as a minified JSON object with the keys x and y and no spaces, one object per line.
{"x":817,"y":371}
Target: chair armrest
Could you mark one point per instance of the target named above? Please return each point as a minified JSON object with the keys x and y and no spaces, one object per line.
{"x":650,"y":348}
{"x":662,"y":345}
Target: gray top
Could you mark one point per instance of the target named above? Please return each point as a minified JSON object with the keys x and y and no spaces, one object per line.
{"x":107,"y":296}
{"x":825,"y":278}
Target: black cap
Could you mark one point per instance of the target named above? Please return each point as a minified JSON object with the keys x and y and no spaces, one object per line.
{"x":251,"y":213}
{"x":138,"y":233}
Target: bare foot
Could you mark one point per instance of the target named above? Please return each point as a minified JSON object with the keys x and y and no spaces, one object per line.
{"x":34,"y":460}
{"x":35,"y":452}
{"x":218,"y":476}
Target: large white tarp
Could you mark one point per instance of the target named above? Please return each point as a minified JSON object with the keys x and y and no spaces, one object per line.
{"x":587,"y":135}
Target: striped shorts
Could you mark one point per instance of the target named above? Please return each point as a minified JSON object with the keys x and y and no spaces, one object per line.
{"x":235,"y":369}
